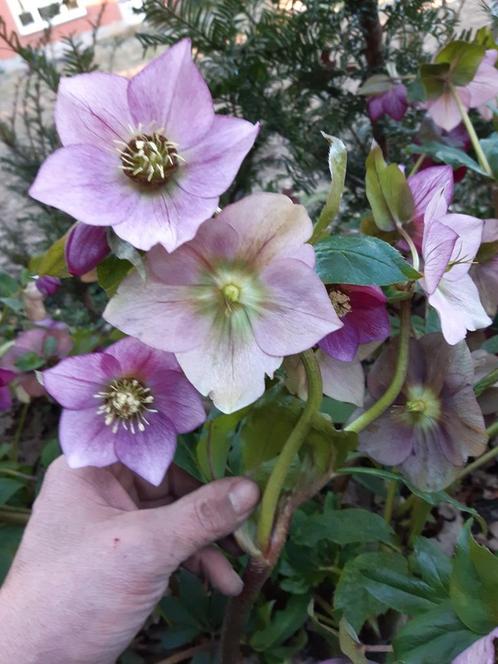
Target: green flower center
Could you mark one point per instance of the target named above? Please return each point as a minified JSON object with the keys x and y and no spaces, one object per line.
{"x":125,"y":402}
{"x":231,"y":292}
{"x":423,"y":407}
{"x":341,"y":303}
{"x":149,"y":159}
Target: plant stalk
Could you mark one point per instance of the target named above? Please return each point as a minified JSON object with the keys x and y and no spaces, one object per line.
{"x":481,"y":157}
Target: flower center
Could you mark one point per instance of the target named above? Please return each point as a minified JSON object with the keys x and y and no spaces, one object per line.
{"x":341,"y":303}
{"x":150,"y":159}
{"x":125,"y":403}
{"x":422,"y":406}
{"x":231,"y":292}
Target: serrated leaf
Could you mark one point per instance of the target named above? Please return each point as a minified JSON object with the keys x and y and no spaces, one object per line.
{"x":346,"y":526}
{"x":285,"y":622}
{"x":404,"y":593}
{"x":360,"y":260}
{"x":432,"y":565}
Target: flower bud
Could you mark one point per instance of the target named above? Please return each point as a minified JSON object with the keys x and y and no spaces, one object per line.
{"x":86,"y":247}
{"x":48,"y":285}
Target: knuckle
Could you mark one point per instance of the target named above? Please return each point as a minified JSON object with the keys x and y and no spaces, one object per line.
{"x":213,"y":517}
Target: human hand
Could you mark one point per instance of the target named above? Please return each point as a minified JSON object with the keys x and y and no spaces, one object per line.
{"x":93,"y":562}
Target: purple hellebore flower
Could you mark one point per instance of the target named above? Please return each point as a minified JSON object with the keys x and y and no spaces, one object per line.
{"x":6,"y":377}
{"x":49,"y":340}
{"x":435,"y":424}
{"x":393,"y":103}
{"x":233,"y":301}
{"x":125,"y":404}
{"x":485,"y":271}
{"x":450,"y":244}
{"x":482,"y":651}
{"x":363,"y":312}
{"x":147,"y":156}
{"x":86,"y":246}
{"x":482,"y":89}
{"x":48,"y":285}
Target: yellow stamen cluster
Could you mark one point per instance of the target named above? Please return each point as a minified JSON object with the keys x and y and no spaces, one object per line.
{"x":340,"y":302}
{"x":125,"y":403}
{"x":149,"y":159}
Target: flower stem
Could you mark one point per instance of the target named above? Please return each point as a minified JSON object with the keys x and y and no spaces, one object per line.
{"x":481,"y":157}
{"x":276,"y":480}
{"x":399,"y":377}
{"x":14,"y":450}
{"x":392,"y":487}
{"x":413,"y":249}
{"x":417,"y":164}
{"x":485,"y":458}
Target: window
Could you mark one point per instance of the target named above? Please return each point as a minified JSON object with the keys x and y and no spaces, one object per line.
{"x":35,"y":15}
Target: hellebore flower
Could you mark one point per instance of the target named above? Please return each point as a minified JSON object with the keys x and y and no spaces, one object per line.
{"x":6,"y":377}
{"x":393,"y":103}
{"x":482,"y":651}
{"x":43,"y":345}
{"x":450,"y":244}
{"x":435,"y":424}
{"x":86,"y":246}
{"x":233,"y":301}
{"x":482,"y":89}
{"x":147,"y":156}
{"x":485,"y":271}
{"x":48,"y":285}
{"x":363,"y":312}
{"x":125,"y":404}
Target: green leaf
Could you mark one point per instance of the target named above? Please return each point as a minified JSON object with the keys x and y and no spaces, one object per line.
{"x":360,"y":260}
{"x":491,"y":344}
{"x":8,"y":285}
{"x":126,"y":251}
{"x":448,"y":155}
{"x":490,"y":148}
{"x":283,"y":625}
{"x":12,"y":303}
{"x":10,"y":536}
{"x":50,"y":452}
{"x":52,"y":262}
{"x":463,"y":58}
{"x":435,"y":636}
{"x":387,"y":191}
{"x":338,"y":159}
{"x":432,"y":565}
{"x":8,"y":487}
{"x":350,"y":643}
{"x":346,"y":526}
{"x":399,"y":591}
{"x":375,"y":85}
{"x":214,"y":443}
{"x":29,"y":361}
{"x":111,"y":272}
{"x":434,"y":79}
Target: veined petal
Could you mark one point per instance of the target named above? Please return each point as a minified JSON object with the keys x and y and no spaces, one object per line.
{"x":427,"y":466}
{"x":176,"y":398}
{"x":296,"y":312}
{"x":437,"y":248}
{"x":93,"y":108}
{"x":469,"y":230}
{"x":85,"y":439}
{"x":484,"y":85}
{"x":139,"y":360}
{"x":343,"y":381}
{"x":387,"y":440}
{"x":343,"y":343}
{"x":444,"y":110}
{"x":425,"y":184}
{"x":459,"y":308}
{"x":213,"y":162}
{"x":88,"y":184}
{"x":170,"y":93}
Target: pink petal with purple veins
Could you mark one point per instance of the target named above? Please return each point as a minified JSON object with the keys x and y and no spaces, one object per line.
{"x":437,"y":248}
{"x":148,"y":453}
{"x":178,"y":399}
{"x":88,"y":184}
{"x":427,"y":466}
{"x":297,"y":311}
{"x":212,"y":164}
{"x":141,"y":361}
{"x":74,"y":381}
{"x":426,"y":183}
{"x":469,"y":231}
{"x":85,"y":439}
{"x":490,"y":230}
{"x":170,"y":93}
{"x":387,"y":440}
{"x":343,"y":344}
{"x":93,"y":108}
{"x":86,"y":247}
{"x":343,"y":381}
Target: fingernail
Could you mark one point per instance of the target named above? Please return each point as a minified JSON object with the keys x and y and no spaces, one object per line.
{"x":244,"y":495}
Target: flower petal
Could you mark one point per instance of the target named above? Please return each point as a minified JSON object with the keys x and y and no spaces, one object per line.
{"x":343,"y":381}
{"x":343,"y":343}
{"x":87,"y":183}
{"x":465,"y":425}
{"x":85,"y":439}
{"x":469,"y":230}
{"x":93,"y":108}
{"x":74,"y":381}
{"x":425,"y":184}
{"x":176,"y":398}
{"x":5,"y":398}
{"x":427,"y":466}
{"x":387,"y":440}
{"x":170,"y":93}
{"x":139,"y":360}
{"x":213,"y":163}
{"x":444,"y":110}
{"x":438,"y":245}
{"x":297,"y":311}
{"x":485,"y":277}
{"x":459,"y":308}
{"x":484,"y":85}
{"x":481,"y":652}
{"x":148,"y":453}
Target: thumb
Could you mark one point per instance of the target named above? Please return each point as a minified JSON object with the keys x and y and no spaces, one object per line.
{"x":204,"y":516}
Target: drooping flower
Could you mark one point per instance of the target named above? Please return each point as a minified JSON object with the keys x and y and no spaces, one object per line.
{"x":392,"y":102}
{"x":86,"y":246}
{"x":363,"y":312}
{"x":233,"y":301}
{"x":449,"y":246}
{"x":41,"y":346}
{"x":147,"y":156}
{"x":482,"y":89}
{"x":6,"y":377}
{"x":48,"y":285}
{"x":485,"y":270}
{"x":482,"y":651}
{"x":435,"y":424}
{"x":125,"y":404}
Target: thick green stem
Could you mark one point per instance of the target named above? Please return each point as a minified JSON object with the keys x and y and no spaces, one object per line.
{"x":485,"y":458}
{"x":481,"y":157}
{"x":399,"y":377}
{"x":417,"y":164}
{"x":276,"y":480}
{"x":392,"y":488}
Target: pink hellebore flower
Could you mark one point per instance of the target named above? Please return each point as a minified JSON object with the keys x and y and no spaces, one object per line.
{"x":363,"y":312}
{"x":393,"y":103}
{"x":6,"y":377}
{"x":86,"y":246}
{"x":147,"y":156}
{"x":482,"y":651}
{"x":125,"y":404}
{"x":485,"y":271}
{"x":450,"y":244}
{"x":233,"y":301}
{"x":482,"y":89}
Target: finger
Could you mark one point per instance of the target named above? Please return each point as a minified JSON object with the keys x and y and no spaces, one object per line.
{"x":201,"y":517}
{"x":215,"y":568}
